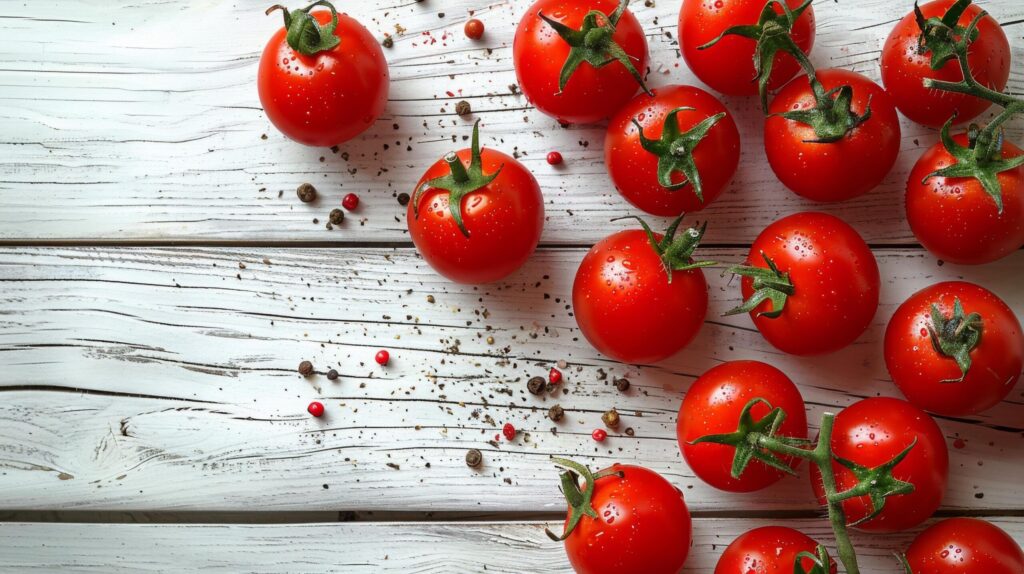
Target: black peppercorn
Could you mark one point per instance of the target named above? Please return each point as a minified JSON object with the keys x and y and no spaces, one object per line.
{"x":336,"y":216}
{"x":622,"y":384}
{"x":403,"y":199}
{"x":474,"y":458}
{"x":556,"y":413}
{"x":332,"y":375}
{"x":536,"y":385}
{"x":388,"y":42}
{"x":306,"y":368}
{"x":306,"y":192}
{"x":463,"y":109}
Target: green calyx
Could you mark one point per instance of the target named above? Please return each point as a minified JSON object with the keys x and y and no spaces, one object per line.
{"x":832,"y":116}
{"x":939,"y":36}
{"x":593,"y":43}
{"x":305,"y":33}
{"x":745,"y":439}
{"x":769,"y":284}
{"x":877,"y":483}
{"x":772,"y":32}
{"x":676,"y":253}
{"x":460,"y":182}
{"x":904,"y":563}
{"x":579,"y":500}
{"x":955,"y":336}
{"x":820,"y":560}
{"x":675,"y":150}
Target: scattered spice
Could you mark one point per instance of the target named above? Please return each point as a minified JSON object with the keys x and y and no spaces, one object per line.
{"x":622,"y":384}
{"x":336,"y":216}
{"x":463,"y":108}
{"x":554,"y":158}
{"x":403,"y":199}
{"x":306,"y":368}
{"x":630,"y":431}
{"x":332,"y":375}
{"x":382,"y":357}
{"x":474,"y":458}
{"x":474,"y":29}
{"x":536,"y":385}
{"x":599,"y":435}
{"x":555,"y":376}
{"x":388,"y":42}
{"x":611,"y":419}
{"x":509,"y":431}
{"x":556,"y":413}
{"x":350,"y":201}
{"x":430,"y":299}
{"x":316,"y":408}
{"x":306,"y":192}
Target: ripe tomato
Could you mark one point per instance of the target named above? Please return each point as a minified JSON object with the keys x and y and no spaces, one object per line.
{"x":831,"y":274}
{"x":965,"y":546}
{"x":956,"y":219}
{"x":905,"y":67}
{"x":629,"y":306}
{"x":924,"y":358}
{"x":658,"y":175}
{"x":871,"y":432}
{"x":500,"y":207}
{"x":728,"y":66}
{"x":839,"y":170}
{"x":713,"y":406}
{"x":768,"y":550}
{"x":641,"y":525}
{"x":543,"y":57}
{"x":327,"y":87}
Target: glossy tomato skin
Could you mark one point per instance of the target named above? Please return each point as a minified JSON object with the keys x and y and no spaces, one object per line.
{"x":643,"y":525}
{"x":835,"y":278}
{"x":713,"y":406}
{"x":767,"y":550}
{"x":904,"y":70}
{"x":830,"y":172}
{"x":728,"y":66}
{"x":872,"y":432}
{"x":634,"y":170}
{"x":327,"y":98}
{"x":504,"y":219}
{"x":956,"y":219}
{"x":965,"y":546}
{"x":627,"y":308}
{"x":923,"y":374}
{"x":592,"y":94}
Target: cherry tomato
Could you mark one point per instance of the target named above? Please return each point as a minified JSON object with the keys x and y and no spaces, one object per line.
{"x":628,"y":306}
{"x":325,"y":97}
{"x":728,"y":66}
{"x":591,"y":94}
{"x":839,"y":170}
{"x":834,"y":281}
{"x":635,"y":170}
{"x":502,"y":218}
{"x":871,"y":432}
{"x":713,"y":406}
{"x":986,"y":334}
{"x":474,"y":29}
{"x":905,"y":67}
{"x":768,"y":550}
{"x":956,"y":219}
{"x":643,"y":525}
{"x":965,"y":546}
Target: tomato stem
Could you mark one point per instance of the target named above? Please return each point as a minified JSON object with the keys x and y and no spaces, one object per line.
{"x":676,"y":253}
{"x":305,"y":33}
{"x":675,"y":150}
{"x":955,"y":336}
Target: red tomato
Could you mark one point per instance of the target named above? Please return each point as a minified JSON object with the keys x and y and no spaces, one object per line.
{"x":713,"y":406}
{"x":871,"y":432}
{"x":904,"y":68}
{"x":628,"y":306}
{"x":728,"y":66}
{"x":994,"y":349}
{"x":591,"y":94}
{"x":843,"y":169}
{"x":965,"y":546}
{"x":768,"y":550}
{"x":503,"y":219}
{"x":635,"y":170}
{"x":643,"y":525}
{"x":955,"y":219}
{"x":331,"y":96}
{"x":834,"y":278}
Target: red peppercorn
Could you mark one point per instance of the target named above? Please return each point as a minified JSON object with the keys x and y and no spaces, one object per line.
{"x":474,"y":29}
{"x":599,"y":435}
{"x":382,"y":357}
{"x":509,"y":431}
{"x":316,"y":408}
{"x":350,"y":201}
{"x":554,"y":376}
{"x":554,"y":158}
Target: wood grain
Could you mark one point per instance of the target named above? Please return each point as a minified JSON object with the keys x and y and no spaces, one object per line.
{"x":139,"y":121}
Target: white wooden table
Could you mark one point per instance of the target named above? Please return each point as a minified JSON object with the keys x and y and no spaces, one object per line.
{"x":161,"y":282}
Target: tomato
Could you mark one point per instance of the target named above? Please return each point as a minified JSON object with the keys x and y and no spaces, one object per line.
{"x":323,"y":97}
{"x":642,"y":525}
{"x":728,"y":66}
{"x":871,"y":432}
{"x":832,"y":275}
{"x":956,"y":219}
{"x":591,"y":94}
{"x":965,"y":546}
{"x":986,"y":336}
{"x":502,"y":214}
{"x":839,"y":170}
{"x":629,"y":307}
{"x":905,"y":67}
{"x":712,"y":152}
{"x":713,"y":406}
{"x":768,"y":550}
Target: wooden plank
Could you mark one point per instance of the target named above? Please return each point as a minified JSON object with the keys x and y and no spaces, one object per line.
{"x":358,"y":547}
{"x":139,"y":121}
{"x":164,"y":379}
